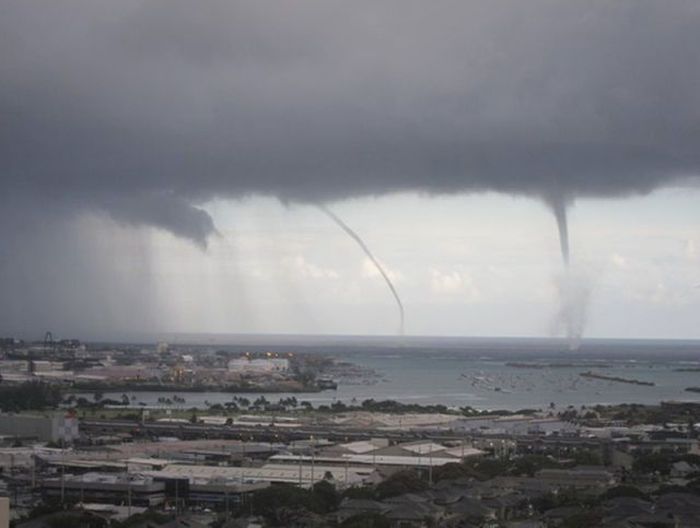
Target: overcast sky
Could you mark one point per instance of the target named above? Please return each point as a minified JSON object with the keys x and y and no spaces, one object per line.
{"x":160,"y":162}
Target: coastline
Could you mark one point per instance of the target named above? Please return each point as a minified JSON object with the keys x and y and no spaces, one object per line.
{"x":174,"y":388}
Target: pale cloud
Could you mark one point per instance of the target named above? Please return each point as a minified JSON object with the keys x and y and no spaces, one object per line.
{"x":454,"y":283}
{"x":370,"y":271}
{"x":258,"y":273}
{"x":659,"y":293}
{"x":619,"y":261}
{"x":299,"y":266}
{"x":662,"y":294}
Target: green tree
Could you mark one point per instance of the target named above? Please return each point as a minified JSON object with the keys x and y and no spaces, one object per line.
{"x":587,"y":457}
{"x":30,"y":395}
{"x":359,"y":492}
{"x":583,"y":520}
{"x":653,"y":463}
{"x":366,"y":520}
{"x":71,"y":520}
{"x":623,"y":491}
{"x":326,"y":495}
{"x":274,"y":503}
{"x":531,"y":464}
{"x":406,"y":481}
{"x":452,"y":471}
{"x":486,"y":468}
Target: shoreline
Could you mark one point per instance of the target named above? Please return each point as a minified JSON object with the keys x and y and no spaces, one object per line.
{"x":135,"y":387}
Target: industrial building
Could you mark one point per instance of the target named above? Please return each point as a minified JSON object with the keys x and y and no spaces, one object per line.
{"x":304,"y":474}
{"x":107,"y":488}
{"x":51,"y":427}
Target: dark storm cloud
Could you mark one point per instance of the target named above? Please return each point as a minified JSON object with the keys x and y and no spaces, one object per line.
{"x":147,"y":109}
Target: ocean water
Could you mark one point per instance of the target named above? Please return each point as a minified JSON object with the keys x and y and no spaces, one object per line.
{"x":481,"y":374}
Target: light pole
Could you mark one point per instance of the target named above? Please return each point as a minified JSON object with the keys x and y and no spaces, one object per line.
{"x":63,"y":472}
{"x":128,"y":492}
{"x":430,"y":465}
{"x":313,"y":453}
{"x":300,"y":469}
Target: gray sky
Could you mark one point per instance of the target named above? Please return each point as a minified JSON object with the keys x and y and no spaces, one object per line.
{"x":133,"y":132}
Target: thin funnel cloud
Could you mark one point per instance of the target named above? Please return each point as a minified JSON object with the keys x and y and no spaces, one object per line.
{"x":371,"y":257}
{"x":559,"y":208}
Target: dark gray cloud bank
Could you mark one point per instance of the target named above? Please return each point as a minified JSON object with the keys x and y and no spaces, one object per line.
{"x":147,"y":109}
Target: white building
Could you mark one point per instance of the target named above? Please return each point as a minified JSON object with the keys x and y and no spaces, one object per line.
{"x":246,"y":364}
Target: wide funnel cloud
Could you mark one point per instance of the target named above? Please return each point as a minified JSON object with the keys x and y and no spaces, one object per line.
{"x":147,"y":109}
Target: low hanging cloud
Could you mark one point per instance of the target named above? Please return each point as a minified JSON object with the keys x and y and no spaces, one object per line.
{"x":147,"y":109}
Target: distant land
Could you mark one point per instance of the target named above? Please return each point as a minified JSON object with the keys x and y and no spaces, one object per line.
{"x":499,"y":346}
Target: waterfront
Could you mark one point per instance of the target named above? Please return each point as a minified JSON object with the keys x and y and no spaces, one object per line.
{"x":477,"y":378}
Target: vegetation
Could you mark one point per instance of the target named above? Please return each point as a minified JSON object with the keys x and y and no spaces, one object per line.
{"x":276,"y":503}
{"x":147,"y":518}
{"x":623,"y":491}
{"x":29,"y":396}
{"x":636,"y":414}
{"x":366,"y":520}
{"x":524,"y":466}
{"x":453,"y":471}
{"x":691,"y":487}
{"x":564,"y":497}
{"x":407,"y":481}
{"x":588,"y":519}
{"x":587,"y":458}
{"x":658,"y":463}
{"x":359,"y":492}
{"x":73,"y":519}
{"x":528,"y":465}
{"x":327,"y":496}
{"x":394,"y":407}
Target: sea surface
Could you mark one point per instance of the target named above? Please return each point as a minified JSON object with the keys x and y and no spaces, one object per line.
{"x":485,"y":373}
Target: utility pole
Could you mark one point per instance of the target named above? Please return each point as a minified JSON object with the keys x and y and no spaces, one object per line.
{"x":313,"y":453}
{"x":430,"y":468}
{"x":300,"y":469}
{"x":128,"y":492}
{"x":177,"y":500}
{"x":227,"y":510}
{"x":63,"y":472}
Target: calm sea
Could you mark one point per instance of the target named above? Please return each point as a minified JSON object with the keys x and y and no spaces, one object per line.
{"x":482,"y":373}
